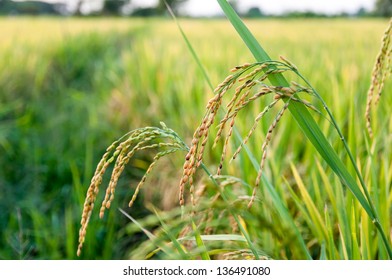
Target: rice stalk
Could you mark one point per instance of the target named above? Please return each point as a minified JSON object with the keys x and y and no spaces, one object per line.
{"x":121,"y":151}
{"x":251,"y":77}
{"x":381,"y":69}
{"x":310,"y":128}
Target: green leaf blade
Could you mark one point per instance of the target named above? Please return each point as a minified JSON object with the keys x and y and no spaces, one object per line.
{"x":299,"y":111}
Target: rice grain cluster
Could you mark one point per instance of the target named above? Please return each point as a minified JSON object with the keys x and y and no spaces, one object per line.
{"x":250,"y":79}
{"x":382,"y":68}
{"x":164,"y":139}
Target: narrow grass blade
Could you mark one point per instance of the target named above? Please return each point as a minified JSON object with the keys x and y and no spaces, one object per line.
{"x":356,"y":255}
{"x":287,"y":219}
{"x":366,"y":242}
{"x":344,"y":247}
{"x":145,"y":231}
{"x":330,"y":240}
{"x":177,"y":244}
{"x":200,"y":244}
{"x":189,"y":45}
{"x":152,"y":237}
{"x":323,"y":253}
{"x":310,"y":206}
{"x":302,"y":209}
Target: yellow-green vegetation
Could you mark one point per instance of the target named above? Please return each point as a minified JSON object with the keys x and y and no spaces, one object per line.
{"x":71,"y":87}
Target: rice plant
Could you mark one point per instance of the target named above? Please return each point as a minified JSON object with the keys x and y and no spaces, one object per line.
{"x":220,"y":220}
{"x":380,"y":71}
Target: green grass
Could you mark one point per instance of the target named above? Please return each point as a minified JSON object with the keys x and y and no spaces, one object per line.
{"x":65,"y":98}
{"x":314,"y":134}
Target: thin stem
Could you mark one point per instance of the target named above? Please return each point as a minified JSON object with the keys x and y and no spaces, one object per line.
{"x":225,"y":199}
{"x":206,"y":77}
{"x":361,"y":180}
{"x":384,"y":237}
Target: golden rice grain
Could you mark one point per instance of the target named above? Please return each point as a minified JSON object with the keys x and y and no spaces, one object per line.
{"x":121,"y":152}
{"x":380,"y":70}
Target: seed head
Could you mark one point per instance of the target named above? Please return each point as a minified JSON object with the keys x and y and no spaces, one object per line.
{"x":121,"y":152}
{"x":380,"y":70}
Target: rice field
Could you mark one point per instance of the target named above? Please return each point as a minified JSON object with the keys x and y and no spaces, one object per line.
{"x":71,"y":87}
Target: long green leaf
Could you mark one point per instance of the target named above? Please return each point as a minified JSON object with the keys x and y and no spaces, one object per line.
{"x":311,"y":129}
{"x":299,"y":112}
{"x":200,"y":244}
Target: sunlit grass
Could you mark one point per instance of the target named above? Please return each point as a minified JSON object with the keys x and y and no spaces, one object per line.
{"x":70,"y":87}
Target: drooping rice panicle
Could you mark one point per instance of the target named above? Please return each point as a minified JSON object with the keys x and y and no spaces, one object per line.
{"x":243,"y":66}
{"x":251,"y":80}
{"x":121,"y":152}
{"x":254,"y":72}
{"x":194,"y":157}
{"x":257,"y":119}
{"x":150,"y":168}
{"x":288,"y":62}
{"x":380,"y":70}
{"x":264,"y":151}
{"x":121,"y":161}
{"x":230,"y":107}
{"x":225,"y":145}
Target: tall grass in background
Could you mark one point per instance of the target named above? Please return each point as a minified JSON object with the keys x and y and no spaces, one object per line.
{"x":55,"y":104}
{"x":51,"y":126}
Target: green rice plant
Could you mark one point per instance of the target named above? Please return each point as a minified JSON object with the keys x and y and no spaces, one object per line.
{"x":380,"y":71}
{"x":310,"y":128}
{"x":337,"y":230}
{"x":121,"y":151}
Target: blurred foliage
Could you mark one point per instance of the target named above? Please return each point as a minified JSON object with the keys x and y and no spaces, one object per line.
{"x":127,"y":7}
{"x":113,"y":7}
{"x":383,"y":8}
{"x":174,"y":4}
{"x":52,"y":132}
{"x":28,"y":7}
